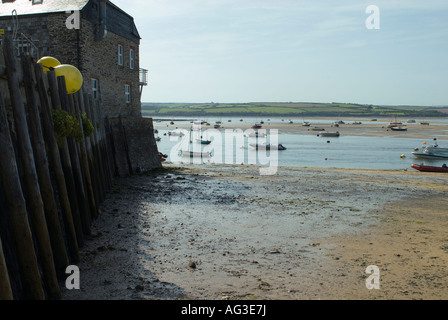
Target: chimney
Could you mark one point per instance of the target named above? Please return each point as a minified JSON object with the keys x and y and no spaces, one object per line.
{"x":101,"y":29}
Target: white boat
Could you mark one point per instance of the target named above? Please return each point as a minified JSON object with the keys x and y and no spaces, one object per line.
{"x":306,"y":124}
{"x":201,"y":154}
{"x":398,"y":128}
{"x":266,"y":146}
{"x":430,"y":155}
{"x":434,"y":148}
{"x":257,"y":134}
{"x":176,"y":133}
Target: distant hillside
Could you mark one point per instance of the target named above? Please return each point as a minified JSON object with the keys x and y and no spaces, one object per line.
{"x":301,"y":109}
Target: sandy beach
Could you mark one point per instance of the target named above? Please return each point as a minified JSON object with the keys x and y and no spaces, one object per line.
{"x":223,"y":232}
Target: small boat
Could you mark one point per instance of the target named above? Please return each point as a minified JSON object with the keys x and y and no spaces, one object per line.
{"x":176,"y":133}
{"x":290,"y":121}
{"x":162,"y":156}
{"x":188,"y":153}
{"x":317,"y":129}
{"x":420,"y":167}
{"x":434,"y":148}
{"x":329,"y":134}
{"x":257,"y":134}
{"x":201,"y":141}
{"x":157,"y":138}
{"x":424,"y":123}
{"x":357,"y":122}
{"x":306,"y":124}
{"x":394,"y":124}
{"x":256,"y":126}
{"x":217,"y":126}
{"x":171,"y":122}
{"x":411,"y":121}
{"x":266,"y":146}
{"x":398,"y":128}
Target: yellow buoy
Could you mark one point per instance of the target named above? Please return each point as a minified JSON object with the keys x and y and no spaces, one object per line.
{"x":73,"y":77}
{"x":48,"y":62}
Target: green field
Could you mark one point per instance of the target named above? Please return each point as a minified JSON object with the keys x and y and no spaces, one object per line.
{"x":286,"y":109}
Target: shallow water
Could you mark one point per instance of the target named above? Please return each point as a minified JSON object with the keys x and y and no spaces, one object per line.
{"x":303,"y":150}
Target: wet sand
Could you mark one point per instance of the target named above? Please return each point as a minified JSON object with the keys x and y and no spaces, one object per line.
{"x":225,"y":232}
{"x":436,"y":128}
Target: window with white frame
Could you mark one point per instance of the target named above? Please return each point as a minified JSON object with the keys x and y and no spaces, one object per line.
{"x":131,"y":58}
{"x":120,"y":55}
{"x":95,"y":89}
{"x":127,"y":93}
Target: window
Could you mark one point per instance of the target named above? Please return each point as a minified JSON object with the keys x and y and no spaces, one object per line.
{"x":95,"y":92}
{"x":131,"y":58}
{"x":127,"y":93}
{"x":120,"y":55}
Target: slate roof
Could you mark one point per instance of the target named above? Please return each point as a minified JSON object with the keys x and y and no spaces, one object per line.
{"x":24,"y":7}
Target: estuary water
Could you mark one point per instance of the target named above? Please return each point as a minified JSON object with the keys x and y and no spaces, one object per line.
{"x":302,"y":149}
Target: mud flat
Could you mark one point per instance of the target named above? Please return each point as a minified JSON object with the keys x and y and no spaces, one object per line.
{"x":225,"y":232}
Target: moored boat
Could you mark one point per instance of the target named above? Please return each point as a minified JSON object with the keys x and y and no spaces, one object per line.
{"x":398,"y":128}
{"x":202,"y":154}
{"x":421,"y":167}
{"x":430,"y":155}
{"x":329,"y":134}
{"x":267,"y":146}
{"x":202,"y":141}
{"x":257,"y":134}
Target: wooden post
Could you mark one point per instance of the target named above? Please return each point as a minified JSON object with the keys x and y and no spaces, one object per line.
{"x":43,"y":171}
{"x":5,"y":285}
{"x":9,"y":176}
{"x":96,"y":155}
{"x":66,"y":163}
{"x":55,"y":160}
{"x":84,"y":160}
{"x":25,"y":151}
{"x":76,"y":166}
{"x":96,"y":169}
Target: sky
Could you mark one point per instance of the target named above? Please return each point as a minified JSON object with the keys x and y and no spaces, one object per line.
{"x":230,"y":51}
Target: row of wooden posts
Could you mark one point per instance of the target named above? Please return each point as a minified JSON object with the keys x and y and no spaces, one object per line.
{"x":49,"y":192}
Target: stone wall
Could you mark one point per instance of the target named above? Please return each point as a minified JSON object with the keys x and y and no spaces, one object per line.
{"x":133,"y":145}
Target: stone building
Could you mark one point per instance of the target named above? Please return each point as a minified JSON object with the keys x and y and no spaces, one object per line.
{"x":96,"y":36}
{"x":102,"y":41}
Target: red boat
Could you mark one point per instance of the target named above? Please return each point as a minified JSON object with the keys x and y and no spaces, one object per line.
{"x":421,"y":167}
